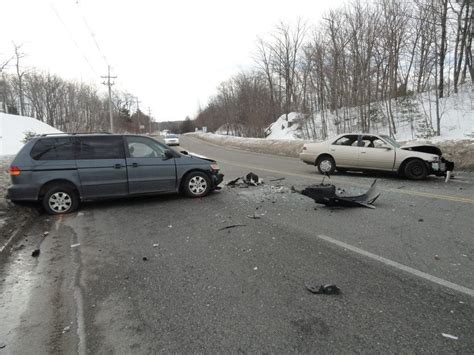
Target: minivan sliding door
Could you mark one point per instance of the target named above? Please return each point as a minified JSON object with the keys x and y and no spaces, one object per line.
{"x":101,"y":166}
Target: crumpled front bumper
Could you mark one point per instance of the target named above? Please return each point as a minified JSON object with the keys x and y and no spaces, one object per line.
{"x":217,"y":179}
{"x":441,"y":167}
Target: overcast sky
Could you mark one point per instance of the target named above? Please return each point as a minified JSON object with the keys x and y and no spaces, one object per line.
{"x":171,"y":54}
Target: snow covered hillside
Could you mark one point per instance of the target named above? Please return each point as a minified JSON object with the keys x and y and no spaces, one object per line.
{"x":284,"y":128}
{"x":13,"y":129}
{"x":415,"y":119}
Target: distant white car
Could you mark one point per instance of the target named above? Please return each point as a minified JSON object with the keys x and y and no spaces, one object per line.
{"x":171,"y":139}
{"x":375,"y":152}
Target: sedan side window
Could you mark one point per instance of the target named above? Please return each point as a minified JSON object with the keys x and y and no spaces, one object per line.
{"x":349,"y":140}
{"x":372,"y":142}
{"x":141,"y":147}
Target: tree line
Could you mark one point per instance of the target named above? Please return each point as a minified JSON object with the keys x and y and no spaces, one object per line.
{"x":350,"y":69}
{"x":67,"y":105}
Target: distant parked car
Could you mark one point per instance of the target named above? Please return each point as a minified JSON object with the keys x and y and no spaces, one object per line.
{"x":171,"y":139}
{"x":62,"y":170}
{"x":375,"y":152}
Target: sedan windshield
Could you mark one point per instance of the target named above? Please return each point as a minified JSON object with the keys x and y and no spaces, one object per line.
{"x":391,"y":141}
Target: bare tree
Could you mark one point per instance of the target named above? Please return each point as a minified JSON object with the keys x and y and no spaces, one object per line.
{"x":19,"y":54}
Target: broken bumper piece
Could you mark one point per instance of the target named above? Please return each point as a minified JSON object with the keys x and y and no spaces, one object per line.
{"x":326,"y":195}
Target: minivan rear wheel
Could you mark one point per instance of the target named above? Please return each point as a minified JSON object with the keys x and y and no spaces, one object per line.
{"x":197,"y":184}
{"x":60,"y":199}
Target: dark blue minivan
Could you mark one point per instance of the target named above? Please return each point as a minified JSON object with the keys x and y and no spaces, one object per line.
{"x":62,"y":170}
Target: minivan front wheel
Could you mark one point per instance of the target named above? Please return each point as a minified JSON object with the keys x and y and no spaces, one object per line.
{"x":197,"y":184}
{"x":60,"y":199}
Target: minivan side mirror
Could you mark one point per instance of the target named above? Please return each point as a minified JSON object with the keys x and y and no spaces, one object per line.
{"x":168,"y":154}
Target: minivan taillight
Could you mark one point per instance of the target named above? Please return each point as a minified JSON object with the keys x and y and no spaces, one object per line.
{"x":14,"y":171}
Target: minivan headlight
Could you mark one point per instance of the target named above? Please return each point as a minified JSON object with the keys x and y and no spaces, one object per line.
{"x":214,"y":167}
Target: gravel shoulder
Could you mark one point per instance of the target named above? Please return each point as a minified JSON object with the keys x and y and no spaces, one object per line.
{"x":12,"y":217}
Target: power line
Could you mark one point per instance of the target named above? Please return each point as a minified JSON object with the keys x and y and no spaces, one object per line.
{"x":92,"y":34}
{"x":72,"y":39}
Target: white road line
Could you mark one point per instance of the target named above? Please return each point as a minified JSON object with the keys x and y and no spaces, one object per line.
{"x":399,"y":266}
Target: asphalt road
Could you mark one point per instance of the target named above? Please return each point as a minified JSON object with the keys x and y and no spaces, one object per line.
{"x":405,"y":269}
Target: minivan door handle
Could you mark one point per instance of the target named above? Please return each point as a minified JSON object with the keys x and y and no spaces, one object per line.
{"x":117,"y":166}
{"x":135,"y":165}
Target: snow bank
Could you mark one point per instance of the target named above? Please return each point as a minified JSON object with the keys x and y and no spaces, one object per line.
{"x":286,"y":127}
{"x":13,"y":129}
{"x":285,"y":147}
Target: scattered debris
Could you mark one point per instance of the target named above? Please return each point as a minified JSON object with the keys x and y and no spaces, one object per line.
{"x":144,"y":258}
{"x":66,"y":329}
{"x":20,"y":247}
{"x":75,"y":245}
{"x":436,"y":257}
{"x":156,"y":245}
{"x":448,"y":176}
{"x":255,"y":268}
{"x":278,"y":179}
{"x":420,"y":220}
{"x":329,"y":289}
{"x":35,"y":253}
{"x":2,"y":345}
{"x":254,"y":216}
{"x":250,"y":179}
{"x":45,"y":234}
{"x":232,"y":226}
{"x":449,"y":336}
{"x":170,"y":226}
{"x":326,"y":194}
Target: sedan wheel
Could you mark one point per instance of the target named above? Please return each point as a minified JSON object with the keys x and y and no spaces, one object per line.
{"x":326,"y":165}
{"x":416,"y":170}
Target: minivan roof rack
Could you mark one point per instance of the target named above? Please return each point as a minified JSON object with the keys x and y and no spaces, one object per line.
{"x":71,"y":134}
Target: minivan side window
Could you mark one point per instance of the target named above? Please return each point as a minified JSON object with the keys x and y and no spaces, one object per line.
{"x":142,"y":147}
{"x":100,"y":147}
{"x":60,"y":148}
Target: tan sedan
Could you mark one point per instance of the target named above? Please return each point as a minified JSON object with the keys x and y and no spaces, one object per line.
{"x":375,"y":152}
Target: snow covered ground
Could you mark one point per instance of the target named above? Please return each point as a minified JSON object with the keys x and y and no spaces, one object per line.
{"x":414,"y":116}
{"x":13,"y":129}
{"x":286,"y":127}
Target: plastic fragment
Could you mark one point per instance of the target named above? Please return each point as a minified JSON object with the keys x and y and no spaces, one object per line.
{"x":449,"y":336}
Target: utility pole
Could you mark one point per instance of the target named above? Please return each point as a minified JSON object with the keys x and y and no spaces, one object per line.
{"x":138,"y":116}
{"x":149,"y":116}
{"x":109,"y":84}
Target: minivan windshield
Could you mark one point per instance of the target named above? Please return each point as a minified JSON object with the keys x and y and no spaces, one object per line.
{"x":391,"y":141}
